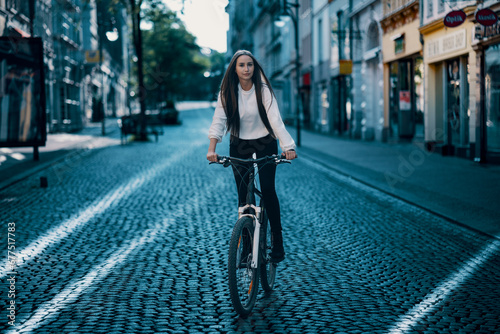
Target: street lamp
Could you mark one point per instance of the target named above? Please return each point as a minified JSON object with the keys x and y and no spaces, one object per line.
{"x":112,"y":36}
{"x":294,"y":15}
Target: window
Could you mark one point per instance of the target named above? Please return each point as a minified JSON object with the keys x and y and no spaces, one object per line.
{"x":430,"y":8}
{"x":440,"y":6}
{"x":20,"y":6}
{"x":399,"y":44}
{"x":372,"y":40}
{"x":492,"y":97}
{"x":320,"y":40}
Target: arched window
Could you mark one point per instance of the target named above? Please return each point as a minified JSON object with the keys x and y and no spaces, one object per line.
{"x":372,"y":36}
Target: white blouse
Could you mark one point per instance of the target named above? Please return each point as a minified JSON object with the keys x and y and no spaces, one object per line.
{"x":251,"y":125}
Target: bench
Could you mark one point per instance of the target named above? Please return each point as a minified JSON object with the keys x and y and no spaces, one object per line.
{"x":131,"y":125}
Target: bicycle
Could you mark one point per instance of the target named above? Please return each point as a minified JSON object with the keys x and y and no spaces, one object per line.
{"x":251,"y":241}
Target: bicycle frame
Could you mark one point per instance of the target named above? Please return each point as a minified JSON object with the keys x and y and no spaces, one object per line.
{"x":256,"y":217}
{"x":245,"y":265}
{"x":256,"y":210}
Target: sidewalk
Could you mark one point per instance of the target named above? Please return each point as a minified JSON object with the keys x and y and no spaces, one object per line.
{"x":457,"y":189}
{"x":16,"y":163}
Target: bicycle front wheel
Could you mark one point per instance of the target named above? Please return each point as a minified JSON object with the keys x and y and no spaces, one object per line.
{"x":267,"y":267}
{"x":243,"y":279}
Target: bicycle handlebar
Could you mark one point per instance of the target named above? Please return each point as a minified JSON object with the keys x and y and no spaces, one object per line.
{"x":226,"y":161}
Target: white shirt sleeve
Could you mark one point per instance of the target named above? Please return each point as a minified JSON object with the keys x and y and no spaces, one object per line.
{"x":218,"y":127}
{"x":273,"y":114}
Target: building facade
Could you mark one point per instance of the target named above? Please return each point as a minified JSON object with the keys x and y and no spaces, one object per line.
{"x":324,"y":118}
{"x":69,"y":28}
{"x":449,"y":61}
{"x":387,"y":70}
{"x":66,"y":113}
{"x":18,"y":20}
{"x":485,"y":124}
{"x":260,"y":27}
{"x":241,"y":14}
{"x":403,"y":70}
{"x":106,"y":83}
{"x":368,"y":78}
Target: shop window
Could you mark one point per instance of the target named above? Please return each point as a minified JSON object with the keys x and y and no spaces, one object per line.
{"x":419,"y":96}
{"x":394,"y":101}
{"x":453,"y":101}
{"x":492,"y":98}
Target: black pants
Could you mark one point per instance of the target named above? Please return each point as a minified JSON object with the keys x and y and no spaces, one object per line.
{"x":244,"y":149}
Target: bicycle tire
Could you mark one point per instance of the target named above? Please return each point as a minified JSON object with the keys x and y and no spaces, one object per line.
{"x":243,"y":280}
{"x":267,"y":267}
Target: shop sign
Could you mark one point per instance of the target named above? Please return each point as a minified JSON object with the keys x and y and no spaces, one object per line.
{"x":92,"y":56}
{"x":455,"y":18}
{"x":404,"y":100}
{"x":486,"y":17}
{"x":306,"y":79}
{"x":446,"y":44}
{"x":345,"y":67}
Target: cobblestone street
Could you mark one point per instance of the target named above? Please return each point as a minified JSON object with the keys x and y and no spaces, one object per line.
{"x":134,"y":238}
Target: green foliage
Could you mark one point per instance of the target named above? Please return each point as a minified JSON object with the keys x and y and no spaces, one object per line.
{"x":174,"y":65}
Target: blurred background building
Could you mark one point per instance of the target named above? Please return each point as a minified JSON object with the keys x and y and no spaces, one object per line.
{"x":386,"y":70}
{"x":70,"y":33}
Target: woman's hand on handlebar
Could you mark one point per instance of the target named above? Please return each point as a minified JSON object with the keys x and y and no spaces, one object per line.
{"x":289,"y":155}
{"x":212,"y":156}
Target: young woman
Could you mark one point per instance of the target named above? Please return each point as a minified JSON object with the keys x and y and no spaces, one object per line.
{"x":247,"y":109}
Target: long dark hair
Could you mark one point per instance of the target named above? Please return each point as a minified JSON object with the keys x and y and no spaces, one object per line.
{"x":229,"y":93}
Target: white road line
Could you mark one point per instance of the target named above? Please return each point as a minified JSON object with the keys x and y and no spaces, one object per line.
{"x":432,"y":300}
{"x":439,"y":294}
{"x":71,"y":293}
{"x":110,"y":200}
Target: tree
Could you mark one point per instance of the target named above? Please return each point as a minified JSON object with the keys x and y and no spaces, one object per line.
{"x":134,"y":9}
{"x":169,"y":63}
{"x":171,"y":55}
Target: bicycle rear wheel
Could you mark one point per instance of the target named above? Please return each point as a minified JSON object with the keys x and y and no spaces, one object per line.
{"x":267,"y":267}
{"x":243,"y":279}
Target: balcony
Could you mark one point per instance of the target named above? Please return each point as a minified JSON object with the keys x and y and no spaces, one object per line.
{"x":67,"y":41}
{"x":394,"y":6}
{"x":399,"y":12}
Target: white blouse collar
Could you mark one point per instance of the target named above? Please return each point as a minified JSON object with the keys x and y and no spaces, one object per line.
{"x":246,"y":91}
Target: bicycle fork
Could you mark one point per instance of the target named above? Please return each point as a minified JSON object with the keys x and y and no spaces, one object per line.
{"x":256,"y":234}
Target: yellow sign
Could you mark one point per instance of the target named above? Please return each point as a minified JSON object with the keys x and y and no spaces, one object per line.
{"x":345,"y":67}
{"x":92,"y":56}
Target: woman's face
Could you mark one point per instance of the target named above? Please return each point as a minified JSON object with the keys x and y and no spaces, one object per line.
{"x":244,"y":68}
